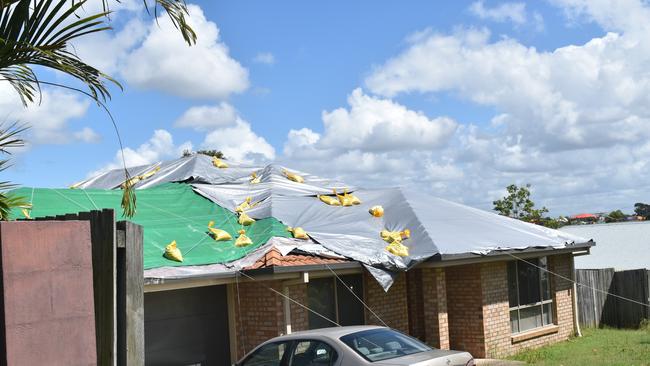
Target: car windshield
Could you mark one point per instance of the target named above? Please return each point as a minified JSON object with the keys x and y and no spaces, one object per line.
{"x":383,"y":344}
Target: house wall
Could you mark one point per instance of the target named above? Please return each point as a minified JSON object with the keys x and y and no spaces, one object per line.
{"x":299,"y":315}
{"x":415,"y":300}
{"x":434,"y":301}
{"x":391,"y":306}
{"x":494,"y":290}
{"x":259,"y":314}
{"x":465,"y":309}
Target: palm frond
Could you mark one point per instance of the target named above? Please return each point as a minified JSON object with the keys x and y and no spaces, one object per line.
{"x":9,"y":138}
{"x":40,"y":35}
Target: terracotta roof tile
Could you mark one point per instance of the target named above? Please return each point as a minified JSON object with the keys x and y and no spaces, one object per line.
{"x":274,"y":258}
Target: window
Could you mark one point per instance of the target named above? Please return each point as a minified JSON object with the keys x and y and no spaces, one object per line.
{"x":383,"y":344}
{"x":268,"y":355}
{"x":329,"y":297}
{"x":312,"y":353}
{"x":529,"y":294}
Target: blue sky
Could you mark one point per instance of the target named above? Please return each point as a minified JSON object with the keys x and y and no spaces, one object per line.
{"x":457,"y":98}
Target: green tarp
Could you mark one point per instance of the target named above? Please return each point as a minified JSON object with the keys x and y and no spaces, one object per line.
{"x":171,"y":211}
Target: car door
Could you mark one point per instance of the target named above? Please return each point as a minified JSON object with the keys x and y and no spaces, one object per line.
{"x":313,"y":352}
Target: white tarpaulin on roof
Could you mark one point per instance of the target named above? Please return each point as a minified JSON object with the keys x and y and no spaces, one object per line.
{"x":437,"y":227}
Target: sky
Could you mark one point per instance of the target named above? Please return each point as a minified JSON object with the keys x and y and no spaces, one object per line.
{"x":457,"y":99}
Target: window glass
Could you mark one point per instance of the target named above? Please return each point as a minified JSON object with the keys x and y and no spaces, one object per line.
{"x":529,"y":282}
{"x":383,"y":344}
{"x":312,"y":353}
{"x":350,"y":309}
{"x":320,"y":292}
{"x":267,"y":355}
{"x":546,"y":286}
{"x":548,"y":314}
{"x":512,"y":284}
{"x":530,"y":318}
{"x":514,"y":321}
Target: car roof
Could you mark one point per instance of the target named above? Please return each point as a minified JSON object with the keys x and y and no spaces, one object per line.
{"x":333,"y":332}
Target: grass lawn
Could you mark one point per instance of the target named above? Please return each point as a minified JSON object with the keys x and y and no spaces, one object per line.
{"x":596,"y":347}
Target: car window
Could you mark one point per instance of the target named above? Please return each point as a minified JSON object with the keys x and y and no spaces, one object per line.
{"x":268,"y":355}
{"x":312,"y":353}
{"x":383,"y":344}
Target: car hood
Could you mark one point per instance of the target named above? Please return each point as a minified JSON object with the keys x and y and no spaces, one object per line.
{"x":436,"y":357}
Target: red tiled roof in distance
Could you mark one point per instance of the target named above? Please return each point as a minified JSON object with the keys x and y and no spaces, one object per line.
{"x":274,"y":258}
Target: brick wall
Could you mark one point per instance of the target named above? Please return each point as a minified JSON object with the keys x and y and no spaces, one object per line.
{"x":465,"y":309}
{"x":415,"y":304}
{"x":259,"y":314}
{"x":434,"y":302}
{"x":494,"y":278}
{"x":391,"y":306}
{"x":299,"y":315}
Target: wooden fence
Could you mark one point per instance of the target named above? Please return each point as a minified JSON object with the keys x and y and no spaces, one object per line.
{"x":118,"y":286}
{"x":597,"y":307}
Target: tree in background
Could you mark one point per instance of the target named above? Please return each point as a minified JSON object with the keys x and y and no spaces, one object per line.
{"x":518,"y":205}
{"x":38,"y":33}
{"x":212,"y":153}
{"x":642,"y":209}
{"x":615,"y":216}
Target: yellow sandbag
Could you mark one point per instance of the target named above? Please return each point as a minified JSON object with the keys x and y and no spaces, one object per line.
{"x":344,"y":198}
{"x":405,"y":234}
{"x":376,"y":211}
{"x":390,"y":236}
{"x":245,"y":220}
{"x":219,"y":163}
{"x":255,"y":179}
{"x":243,"y":240}
{"x":355,"y":200}
{"x":398,"y":249}
{"x":298,"y":232}
{"x":293,"y":176}
{"x":244,"y":205}
{"x":218,"y":234}
{"x":332,"y":201}
{"x":149,"y":173}
{"x":173,"y":253}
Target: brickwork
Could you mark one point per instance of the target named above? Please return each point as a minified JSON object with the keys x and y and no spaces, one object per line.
{"x":498,"y":341}
{"x":391,"y":306}
{"x":465,"y":310}
{"x":415,"y":304}
{"x":259,"y":314}
{"x":435,"y":317}
{"x":299,"y":315}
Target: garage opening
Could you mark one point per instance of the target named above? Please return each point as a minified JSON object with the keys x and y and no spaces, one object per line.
{"x":187,"y":327}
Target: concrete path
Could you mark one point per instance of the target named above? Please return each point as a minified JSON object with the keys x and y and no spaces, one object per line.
{"x":491,"y":362}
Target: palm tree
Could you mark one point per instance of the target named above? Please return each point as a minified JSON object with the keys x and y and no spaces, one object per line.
{"x":9,"y":138}
{"x":37,"y":33}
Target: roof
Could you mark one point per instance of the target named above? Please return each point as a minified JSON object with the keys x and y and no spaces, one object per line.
{"x":585,"y":216}
{"x":177,"y":199}
{"x":622,"y":245}
{"x":274,"y":258}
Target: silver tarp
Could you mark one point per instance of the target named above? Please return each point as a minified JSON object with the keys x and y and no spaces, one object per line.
{"x":437,"y":226}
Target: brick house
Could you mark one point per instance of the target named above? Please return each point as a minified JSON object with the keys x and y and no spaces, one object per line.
{"x":492,"y":305}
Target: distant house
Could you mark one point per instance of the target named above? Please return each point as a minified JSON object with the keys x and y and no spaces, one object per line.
{"x":621,"y":245}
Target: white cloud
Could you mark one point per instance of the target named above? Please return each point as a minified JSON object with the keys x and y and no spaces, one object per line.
{"x":87,"y":134}
{"x":159,"y":147}
{"x":203,"y":118}
{"x":264,"y":58}
{"x":165,"y":62}
{"x":374,"y":124}
{"x":239,"y":143}
{"x":49,"y":119}
{"x":504,"y":12}
{"x":572,"y":121}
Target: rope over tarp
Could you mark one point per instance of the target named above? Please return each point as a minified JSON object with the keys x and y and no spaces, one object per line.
{"x":170,"y":211}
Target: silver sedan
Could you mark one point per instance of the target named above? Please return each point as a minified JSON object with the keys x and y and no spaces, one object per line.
{"x":347,"y":346}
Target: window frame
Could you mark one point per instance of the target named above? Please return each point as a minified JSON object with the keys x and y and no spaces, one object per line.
{"x":295,"y":342}
{"x":336,"y":286}
{"x":541,"y":304}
